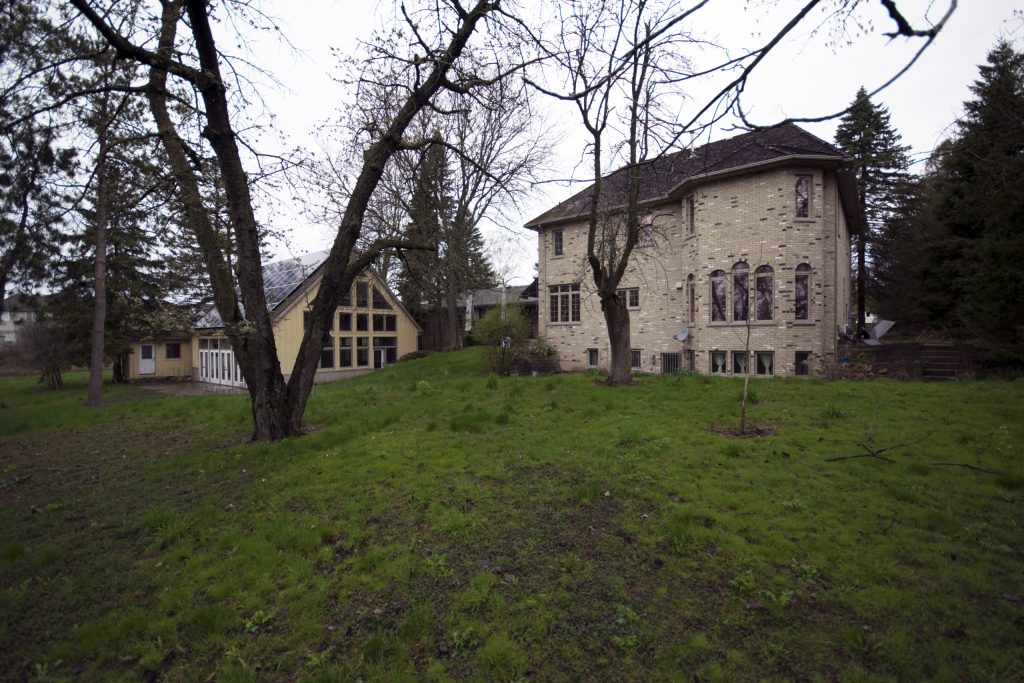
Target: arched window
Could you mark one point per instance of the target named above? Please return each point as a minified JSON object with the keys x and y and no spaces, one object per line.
{"x":740,"y":291}
{"x":718,"y":296}
{"x":802,"y":291}
{"x":691,"y":294}
{"x":764,"y":281}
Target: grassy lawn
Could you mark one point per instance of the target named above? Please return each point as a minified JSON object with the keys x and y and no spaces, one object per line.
{"x":440,"y":524}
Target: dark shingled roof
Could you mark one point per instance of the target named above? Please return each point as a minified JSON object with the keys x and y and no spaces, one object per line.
{"x":658,"y":178}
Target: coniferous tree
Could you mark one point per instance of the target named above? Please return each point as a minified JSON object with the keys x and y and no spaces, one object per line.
{"x":981,"y":197}
{"x":866,"y":136}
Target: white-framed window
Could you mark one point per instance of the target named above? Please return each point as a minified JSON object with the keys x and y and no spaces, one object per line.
{"x":564,"y":303}
{"x":327,"y":352}
{"x":630,"y":296}
{"x":802,"y":196}
{"x":765,"y":362}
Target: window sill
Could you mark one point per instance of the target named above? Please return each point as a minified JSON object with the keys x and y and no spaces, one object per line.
{"x":557,"y":256}
{"x":805,"y":220}
{"x":565,"y":324}
{"x":804,"y":323}
{"x":741,"y":323}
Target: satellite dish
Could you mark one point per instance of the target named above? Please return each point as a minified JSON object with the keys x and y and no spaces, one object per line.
{"x":683,"y":334}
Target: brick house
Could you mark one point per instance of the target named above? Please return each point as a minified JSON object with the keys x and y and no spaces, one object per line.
{"x":753,"y":227}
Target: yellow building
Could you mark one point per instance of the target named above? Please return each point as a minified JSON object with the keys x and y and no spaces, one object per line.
{"x":370,"y":330}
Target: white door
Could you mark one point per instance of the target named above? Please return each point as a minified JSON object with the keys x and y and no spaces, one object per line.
{"x":147,"y":360}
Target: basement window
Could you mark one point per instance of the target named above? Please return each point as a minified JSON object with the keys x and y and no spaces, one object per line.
{"x":765,"y":362}
{"x":718,"y":360}
{"x":592,"y":358}
{"x":740,"y":360}
{"x":803,"y":363}
{"x":635,"y":359}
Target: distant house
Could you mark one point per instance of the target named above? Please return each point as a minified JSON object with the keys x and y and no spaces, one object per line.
{"x":472,"y":306}
{"x":18,"y":310}
{"x":751,"y":230}
{"x":370,"y":329}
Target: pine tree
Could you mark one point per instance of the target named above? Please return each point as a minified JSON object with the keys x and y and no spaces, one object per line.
{"x":982,"y":197}
{"x":866,"y":136}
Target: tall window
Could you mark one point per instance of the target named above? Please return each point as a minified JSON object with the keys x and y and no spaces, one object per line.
{"x":362,"y":294}
{"x":645,"y":237}
{"x":346,"y":298}
{"x":556,"y":237}
{"x":802,"y":291}
{"x":564,"y":303}
{"x":345,"y":360}
{"x":740,"y":291}
{"x":764,"y":280}
{"x":691,"y":215}
{"x":691,"y":293}
{"x":362,"y":351}
{"x":803,"y":196}
{"x":718,"y":296}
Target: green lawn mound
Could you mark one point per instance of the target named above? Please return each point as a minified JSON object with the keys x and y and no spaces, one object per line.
{"x":441,"y":524}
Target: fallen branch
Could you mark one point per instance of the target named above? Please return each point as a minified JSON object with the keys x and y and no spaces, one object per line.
{"x":876,"y":453}
{"x":963,"y":464}
{"x":859,"y":455}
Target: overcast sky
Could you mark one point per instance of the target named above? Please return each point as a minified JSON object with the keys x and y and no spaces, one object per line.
{"x":811,"y":74}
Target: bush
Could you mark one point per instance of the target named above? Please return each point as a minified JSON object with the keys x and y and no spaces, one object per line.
{"x":504,"y":332}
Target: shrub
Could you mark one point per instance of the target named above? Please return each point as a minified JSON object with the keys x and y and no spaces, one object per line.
{"x":504,"y":332}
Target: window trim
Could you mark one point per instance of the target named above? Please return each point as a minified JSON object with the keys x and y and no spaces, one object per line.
{"x":560,"y":296}
{"x":629,"y":294}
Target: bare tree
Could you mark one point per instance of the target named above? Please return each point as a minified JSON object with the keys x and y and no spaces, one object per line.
{"x":433,"y":66}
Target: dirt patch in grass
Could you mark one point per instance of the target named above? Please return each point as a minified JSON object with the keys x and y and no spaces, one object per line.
{"x":752,"y":432}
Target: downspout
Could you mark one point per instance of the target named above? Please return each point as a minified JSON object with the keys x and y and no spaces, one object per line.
{"x":835,"y":270}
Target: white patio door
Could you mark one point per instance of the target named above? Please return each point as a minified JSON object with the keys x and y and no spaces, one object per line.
{"x":147,"y":360}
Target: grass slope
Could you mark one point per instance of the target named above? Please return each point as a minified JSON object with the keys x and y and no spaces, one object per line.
{"x":438,"y":524}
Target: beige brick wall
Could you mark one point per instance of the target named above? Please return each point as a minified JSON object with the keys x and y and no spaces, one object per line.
{"x":748,"y":218}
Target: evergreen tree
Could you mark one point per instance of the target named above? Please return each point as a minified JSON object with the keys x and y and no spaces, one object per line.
{"x":866,"y":136}
{"x":430,"y":279}
{"x":981,"y":197}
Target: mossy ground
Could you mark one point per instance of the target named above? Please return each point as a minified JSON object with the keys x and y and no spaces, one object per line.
{"x":439,"y":524}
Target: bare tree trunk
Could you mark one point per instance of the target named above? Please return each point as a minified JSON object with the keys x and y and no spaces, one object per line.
{"x":454,"y":338}
{"x":99,"y":309}
{"x":616,"y":317}
{"x":746,"y":380}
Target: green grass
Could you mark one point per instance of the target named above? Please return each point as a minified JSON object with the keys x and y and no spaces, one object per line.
{"x":438,"y":523}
